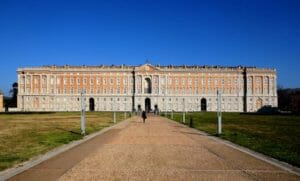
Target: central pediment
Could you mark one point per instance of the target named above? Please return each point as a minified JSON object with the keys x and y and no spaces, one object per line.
{"x":147,"y":68}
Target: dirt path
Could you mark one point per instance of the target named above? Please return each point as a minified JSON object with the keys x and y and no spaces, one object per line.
{"x":156,"y":150}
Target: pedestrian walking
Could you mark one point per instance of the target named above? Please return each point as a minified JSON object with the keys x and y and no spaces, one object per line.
{"x":144,"y":116}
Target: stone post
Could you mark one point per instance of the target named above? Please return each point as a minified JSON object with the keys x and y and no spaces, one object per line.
{"x":1,"y":102}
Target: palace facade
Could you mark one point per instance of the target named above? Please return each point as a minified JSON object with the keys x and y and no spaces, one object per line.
{"x":146,"y":87}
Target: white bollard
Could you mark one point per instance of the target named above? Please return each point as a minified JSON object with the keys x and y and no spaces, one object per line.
{"x":219,"y":131}
{"x":115,"y":121}
{"x":82,"y":120}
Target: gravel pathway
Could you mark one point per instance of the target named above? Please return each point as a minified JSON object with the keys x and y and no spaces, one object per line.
{"x":156,"y":150}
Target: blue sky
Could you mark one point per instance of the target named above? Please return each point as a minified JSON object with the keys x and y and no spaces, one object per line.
{"x":262,"y":33}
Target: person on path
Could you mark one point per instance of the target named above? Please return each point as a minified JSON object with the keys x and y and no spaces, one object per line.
{"x":144,"y":116}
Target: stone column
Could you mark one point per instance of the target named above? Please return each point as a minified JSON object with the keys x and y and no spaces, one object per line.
{"x":158,"y":82}
{"x":142,"y":82}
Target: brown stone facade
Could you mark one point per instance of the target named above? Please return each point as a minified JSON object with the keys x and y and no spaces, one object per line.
{"x":127,"y":88}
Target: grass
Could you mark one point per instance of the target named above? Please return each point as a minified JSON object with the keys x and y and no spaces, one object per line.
{"x":275,"y":135}
{"x":23,"y":136}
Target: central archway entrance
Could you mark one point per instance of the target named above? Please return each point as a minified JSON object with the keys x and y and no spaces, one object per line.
{"x":92,"y":104}
{"x":147,"y":104}
{"x":203,"y":104}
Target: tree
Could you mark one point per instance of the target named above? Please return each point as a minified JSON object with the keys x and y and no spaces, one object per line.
{"x":14,"y":94}
{"x":289,"y":99}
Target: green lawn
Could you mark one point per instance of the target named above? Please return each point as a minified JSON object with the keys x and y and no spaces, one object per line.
{"x":23,"y":136}
{"x":275,"y":135}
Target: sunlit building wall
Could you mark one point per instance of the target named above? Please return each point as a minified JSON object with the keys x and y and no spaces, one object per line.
{"x":146,"y":87}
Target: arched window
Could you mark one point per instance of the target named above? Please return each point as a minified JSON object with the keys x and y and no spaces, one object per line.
{"x":92,"y":104}
{"x":148,"y":86}
{"x":203,"y":104}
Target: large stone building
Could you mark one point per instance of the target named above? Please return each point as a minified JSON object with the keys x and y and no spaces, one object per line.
{"x":146,"y":87}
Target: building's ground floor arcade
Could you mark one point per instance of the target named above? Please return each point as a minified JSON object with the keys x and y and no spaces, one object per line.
{"x":148,"y":103}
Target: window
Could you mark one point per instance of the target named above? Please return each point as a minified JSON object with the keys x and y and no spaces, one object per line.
{"x":190,"y":90}
{"x":44,"y":77}
{"x":58,"y":80}
{"x":169,"y":81}
{"x":163,"y":80}
{"x":91,"y":81}
{"x":28,"y":79}
{"x":22,"y":80}
{"x":52,"y":80}
{"x":258,"y":80}
{"x":125,"y":80}
{"x":84,"y":81}
{"x":266,"y":80}
{"x":72,"y":81}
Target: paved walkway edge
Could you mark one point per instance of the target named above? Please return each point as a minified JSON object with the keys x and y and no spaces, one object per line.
{"x":6,"y":174}
{"x":283,"y":165}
